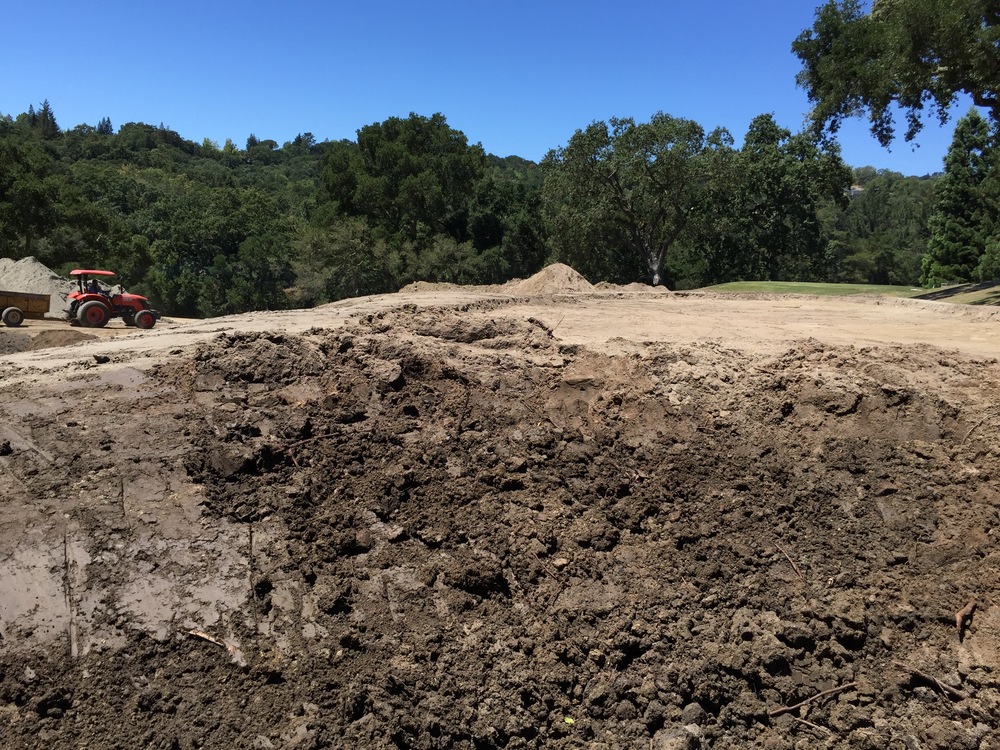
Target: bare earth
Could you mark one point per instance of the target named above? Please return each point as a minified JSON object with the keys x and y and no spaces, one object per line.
{"x":545,"y":516}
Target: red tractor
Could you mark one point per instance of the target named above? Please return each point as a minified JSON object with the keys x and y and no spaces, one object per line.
{"x":94,"y":304}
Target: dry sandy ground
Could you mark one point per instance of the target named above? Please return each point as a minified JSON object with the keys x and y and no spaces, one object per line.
{"x":468,"y":518}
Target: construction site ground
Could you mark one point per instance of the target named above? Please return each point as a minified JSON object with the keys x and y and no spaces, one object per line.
{"x":546,"y":516}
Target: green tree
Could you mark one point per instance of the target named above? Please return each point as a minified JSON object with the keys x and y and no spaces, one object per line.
{"x":881,"y":236}
{"x":411,"y":178}
{"x":29,"y":192}
{"x":914,"y":54}
{"x":346,"y":260}
{"x":959,"y":226}
{"x":783,"y":180}
{"x":621,"y":194}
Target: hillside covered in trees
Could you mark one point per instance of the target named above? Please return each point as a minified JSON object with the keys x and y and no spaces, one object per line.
{"x":207,"y":230}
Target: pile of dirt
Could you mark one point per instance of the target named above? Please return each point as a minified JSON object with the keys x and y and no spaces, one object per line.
{"x":28,"y":275}
{"x":12,"y":342}
{"x":557,"y":278}
{"x":439,"y":528}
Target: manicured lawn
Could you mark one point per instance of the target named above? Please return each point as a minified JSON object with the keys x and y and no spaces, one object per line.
{"x":984,"y":293}
{"x":794,"y":287}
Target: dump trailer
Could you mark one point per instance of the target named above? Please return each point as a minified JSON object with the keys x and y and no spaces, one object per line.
{"x":17,"y":306}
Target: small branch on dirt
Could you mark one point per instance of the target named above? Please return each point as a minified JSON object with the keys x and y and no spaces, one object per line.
{"x":68,"y":591}
{"x":974,"y":427}
{"x":299,"y":443}
{"x":313,"y":439}
{"x":231,"y":648}
{"x":465,"y":409}
{"x":817,"y":727}
{"x":553,"y":329}
{"x":963,"y":618}
{"x":791,"y":562}
{"x":250,"y":574}
{"x":824,"y":694}
{"x":554,"y":577}
{"x":945,"y":689}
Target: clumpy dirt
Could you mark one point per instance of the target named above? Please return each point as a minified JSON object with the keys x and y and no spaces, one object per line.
{"x":439,"y":528}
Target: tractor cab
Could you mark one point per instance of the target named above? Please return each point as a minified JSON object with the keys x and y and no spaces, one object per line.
{"x":89,"y":283}
{"x":98,"y":298}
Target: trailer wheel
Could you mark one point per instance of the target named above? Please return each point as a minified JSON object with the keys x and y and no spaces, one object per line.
{"x":145,"y":319}
{"x":93,"y":314}
{"x":13,"y":317}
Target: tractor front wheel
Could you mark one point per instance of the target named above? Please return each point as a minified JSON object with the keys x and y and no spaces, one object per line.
{"x":13,"y":317}
{"x":93,"y":314}
{"x":145,"y":319}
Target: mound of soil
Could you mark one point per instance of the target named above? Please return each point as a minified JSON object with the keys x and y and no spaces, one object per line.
{"x":12,"y":342}
{"x":438,"y":528}
{"x":557,"y":278}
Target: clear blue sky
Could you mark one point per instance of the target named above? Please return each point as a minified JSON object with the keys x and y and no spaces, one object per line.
{"x":519,"y":77}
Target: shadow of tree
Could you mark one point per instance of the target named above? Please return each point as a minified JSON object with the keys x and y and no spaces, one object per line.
{"x":957,"y":289}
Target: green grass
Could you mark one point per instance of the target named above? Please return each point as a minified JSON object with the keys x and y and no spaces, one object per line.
{"x":985,"y":293}
{"x":795,"y":287}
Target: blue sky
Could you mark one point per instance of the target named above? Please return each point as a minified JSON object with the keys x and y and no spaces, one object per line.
{"x":519,"y":77}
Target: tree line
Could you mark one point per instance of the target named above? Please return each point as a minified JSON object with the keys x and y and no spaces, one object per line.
{"x":207,"y":230}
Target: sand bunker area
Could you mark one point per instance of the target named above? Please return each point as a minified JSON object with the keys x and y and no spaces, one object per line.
{"x":508,"y":518}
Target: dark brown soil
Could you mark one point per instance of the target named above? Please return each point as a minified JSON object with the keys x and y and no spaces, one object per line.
{"x":436,"y":529}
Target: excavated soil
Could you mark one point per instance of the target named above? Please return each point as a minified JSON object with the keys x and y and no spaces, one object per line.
{"x":451,"y":526}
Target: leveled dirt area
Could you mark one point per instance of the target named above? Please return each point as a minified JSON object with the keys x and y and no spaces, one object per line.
{"x":488,"y":518}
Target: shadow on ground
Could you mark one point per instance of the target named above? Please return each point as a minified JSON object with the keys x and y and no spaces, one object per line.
{"x":949,"y":293}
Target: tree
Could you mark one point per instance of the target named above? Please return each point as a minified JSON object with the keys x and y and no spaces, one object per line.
{"x":46,"y":122}
{"x":959,"y":225}
{"x":28,"y":193}
{"x":916,"y":54}
{"x":783,"y":179}
{"x":881,"y":236}
{"x":626,"y":192}
{"x":412,"y":178}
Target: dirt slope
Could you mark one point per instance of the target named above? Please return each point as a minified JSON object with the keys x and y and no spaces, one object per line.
{"x":443,"y":520}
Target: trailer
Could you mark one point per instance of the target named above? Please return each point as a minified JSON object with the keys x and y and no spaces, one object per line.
{"x":17,"y":306}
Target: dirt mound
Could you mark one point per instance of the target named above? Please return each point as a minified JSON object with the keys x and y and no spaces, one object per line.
{"x":12,"y":342}
{"x":48,"y":339}
{"x":28,"y":275}
{"x":442,"y":528}
{"x":557,"y":278}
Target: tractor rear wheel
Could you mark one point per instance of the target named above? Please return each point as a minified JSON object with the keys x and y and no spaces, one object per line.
{"x":13,"y":317}
{"x":145,"y":319}
{"x":93,"y":314}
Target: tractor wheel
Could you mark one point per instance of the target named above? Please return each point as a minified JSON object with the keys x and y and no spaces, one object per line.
{"x":128,"y":320}
{"x":93,"y":314}
{"x":145,"y":319}
{"x":13,"y":317}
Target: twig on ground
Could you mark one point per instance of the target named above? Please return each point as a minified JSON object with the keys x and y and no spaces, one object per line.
{"x":824,"y":694}
{"x":299,"y":443}
{"x":231,"y":648}
{"x":974,"y":427}
{"x":814,"y":726}
{"x":791,"y":562}
{"x":942,"y":687}
{"x":963,"y":618}
{"x":465,"y":410}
